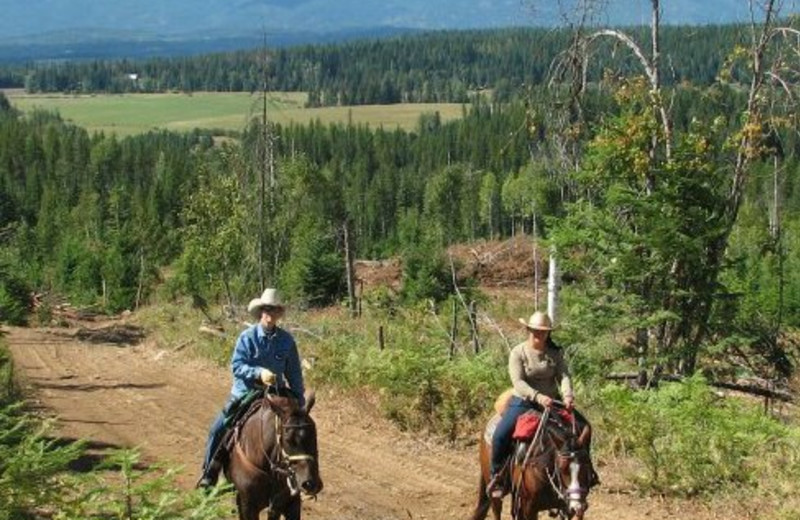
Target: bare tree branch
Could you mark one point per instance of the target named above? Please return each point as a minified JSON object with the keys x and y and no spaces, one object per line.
{"x":651,"y":70}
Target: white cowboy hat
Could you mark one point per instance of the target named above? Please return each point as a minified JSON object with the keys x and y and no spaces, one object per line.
{"x":538,"y":321}
{"x":269,"y":298}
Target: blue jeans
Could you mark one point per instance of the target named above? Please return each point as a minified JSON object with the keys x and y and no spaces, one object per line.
{"x":216,"y":431}
{"x":501,"y":439}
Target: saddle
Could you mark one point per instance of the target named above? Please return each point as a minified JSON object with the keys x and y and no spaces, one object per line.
{"x":240,"y":412}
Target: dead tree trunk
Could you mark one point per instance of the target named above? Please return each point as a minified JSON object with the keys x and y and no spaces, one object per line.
{"x":350,"y":269}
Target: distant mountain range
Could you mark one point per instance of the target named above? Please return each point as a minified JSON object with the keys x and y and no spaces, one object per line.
{"x":167,"y":25}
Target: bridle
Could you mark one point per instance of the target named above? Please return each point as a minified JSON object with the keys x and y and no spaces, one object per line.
{"x":573,"y":492}
{"x":284,"y":462}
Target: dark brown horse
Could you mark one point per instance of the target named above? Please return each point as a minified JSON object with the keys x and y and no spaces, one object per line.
{"x":275,"y":459}
{"x":553,"y":476}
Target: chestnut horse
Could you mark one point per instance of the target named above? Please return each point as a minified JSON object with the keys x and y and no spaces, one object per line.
{"x":274,"y":459}
{"x":554,"y":475}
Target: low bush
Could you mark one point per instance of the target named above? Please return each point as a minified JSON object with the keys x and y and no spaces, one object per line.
{"x":36,"y":481}
{"x":14,"y":298}
{"x":690,"y":441}
{"x":420,"y":386}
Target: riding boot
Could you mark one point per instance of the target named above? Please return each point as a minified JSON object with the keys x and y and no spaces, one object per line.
{"x":594,"y":478}
{"x":210,"y":475}
{"x":494,"y":489}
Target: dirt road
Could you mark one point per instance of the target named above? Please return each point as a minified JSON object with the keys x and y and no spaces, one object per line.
{"x":163,"y":402}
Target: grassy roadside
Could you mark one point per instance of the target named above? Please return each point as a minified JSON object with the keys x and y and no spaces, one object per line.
{"x":128,"y":114}
{"x":8,"y":391}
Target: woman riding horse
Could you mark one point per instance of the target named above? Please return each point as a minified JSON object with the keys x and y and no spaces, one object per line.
{"x":265,"y":354}
{"x":536,"y":367}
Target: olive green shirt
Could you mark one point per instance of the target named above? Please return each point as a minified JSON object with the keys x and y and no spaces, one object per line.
{"x":533,"y":372}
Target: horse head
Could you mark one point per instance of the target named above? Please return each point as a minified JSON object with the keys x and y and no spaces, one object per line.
{"x":557,"y":475}
{"x":572,"y":484}
{"x":297,"y":441}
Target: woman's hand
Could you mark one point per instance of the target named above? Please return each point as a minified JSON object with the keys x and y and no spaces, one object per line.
{"x":544,"y":400}
{"x":569,"y":402}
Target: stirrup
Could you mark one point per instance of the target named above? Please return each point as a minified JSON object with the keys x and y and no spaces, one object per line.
{"x":494,"y":489}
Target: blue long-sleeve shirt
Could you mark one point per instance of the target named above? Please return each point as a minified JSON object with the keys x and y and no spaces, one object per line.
{"x":274,"y":350}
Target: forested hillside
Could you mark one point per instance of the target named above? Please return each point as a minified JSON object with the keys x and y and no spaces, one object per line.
{"x":434,"y":67}
{"x":674,"y":205}
{"x":659,"y":168}
{"x":98,"y":218}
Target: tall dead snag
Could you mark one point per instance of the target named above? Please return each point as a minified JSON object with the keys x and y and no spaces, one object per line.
{"x":349,"y":262}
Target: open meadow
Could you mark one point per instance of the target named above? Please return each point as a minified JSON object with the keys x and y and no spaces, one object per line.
{"x":127,"y":114}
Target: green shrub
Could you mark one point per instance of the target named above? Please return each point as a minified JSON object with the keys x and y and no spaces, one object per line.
{"x":419,"y":386}
{"x":31,"y":466}
{"x":35,"y":481}
{"x":143,"y":494}
{"x":689,"y":441}
{"x":14,"y":298}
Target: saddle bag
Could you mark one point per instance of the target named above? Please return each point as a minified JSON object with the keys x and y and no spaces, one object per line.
{"x":526,"y":426}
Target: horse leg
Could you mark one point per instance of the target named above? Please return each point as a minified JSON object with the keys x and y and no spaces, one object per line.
{"x":293,"y":510}
{"x":247,"y":510}
{"x":483,"y":501}
{"x":240,"y":508}
{"x":497,"y":508}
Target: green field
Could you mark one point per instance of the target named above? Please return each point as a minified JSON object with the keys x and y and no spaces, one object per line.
{"x":127,"y":114}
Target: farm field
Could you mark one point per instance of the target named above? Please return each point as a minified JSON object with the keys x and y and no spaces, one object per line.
{"x":128,"y":114}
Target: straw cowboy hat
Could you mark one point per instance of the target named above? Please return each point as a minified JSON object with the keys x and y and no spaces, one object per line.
{"x":538,"y":321}
{"x":269,"y":298}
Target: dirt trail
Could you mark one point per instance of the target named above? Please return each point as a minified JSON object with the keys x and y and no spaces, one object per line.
{"x":163,"y":402}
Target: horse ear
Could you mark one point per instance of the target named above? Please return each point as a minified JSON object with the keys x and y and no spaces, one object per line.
{"x":280,"y":405}
{"x":311,"y":398}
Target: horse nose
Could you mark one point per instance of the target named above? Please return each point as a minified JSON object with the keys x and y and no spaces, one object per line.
{"x":577,"y":509}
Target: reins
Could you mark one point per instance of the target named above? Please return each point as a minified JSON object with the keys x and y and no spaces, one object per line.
{"x":537,"y":438}
{"x":554,"y":478}
{"x":283,"y":465}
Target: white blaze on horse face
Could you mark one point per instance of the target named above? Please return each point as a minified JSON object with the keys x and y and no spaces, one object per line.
{"x":575,"y":493}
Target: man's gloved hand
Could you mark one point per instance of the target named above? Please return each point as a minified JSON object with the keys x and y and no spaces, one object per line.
{"x":267,"y":377}
{"x":544,"y":400}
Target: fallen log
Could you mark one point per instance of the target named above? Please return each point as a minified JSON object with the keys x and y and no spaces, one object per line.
{"x":746,"y":388}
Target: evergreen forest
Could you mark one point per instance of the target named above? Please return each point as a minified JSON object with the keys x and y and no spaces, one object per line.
{"x":101,"y":219}
{"x":433,"y":67}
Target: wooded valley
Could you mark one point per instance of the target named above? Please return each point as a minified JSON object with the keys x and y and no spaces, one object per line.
{"x":661,"y":166}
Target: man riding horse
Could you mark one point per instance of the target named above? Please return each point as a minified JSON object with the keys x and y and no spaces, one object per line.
{"x":536,"y":367}
{"x":264,"y":355}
